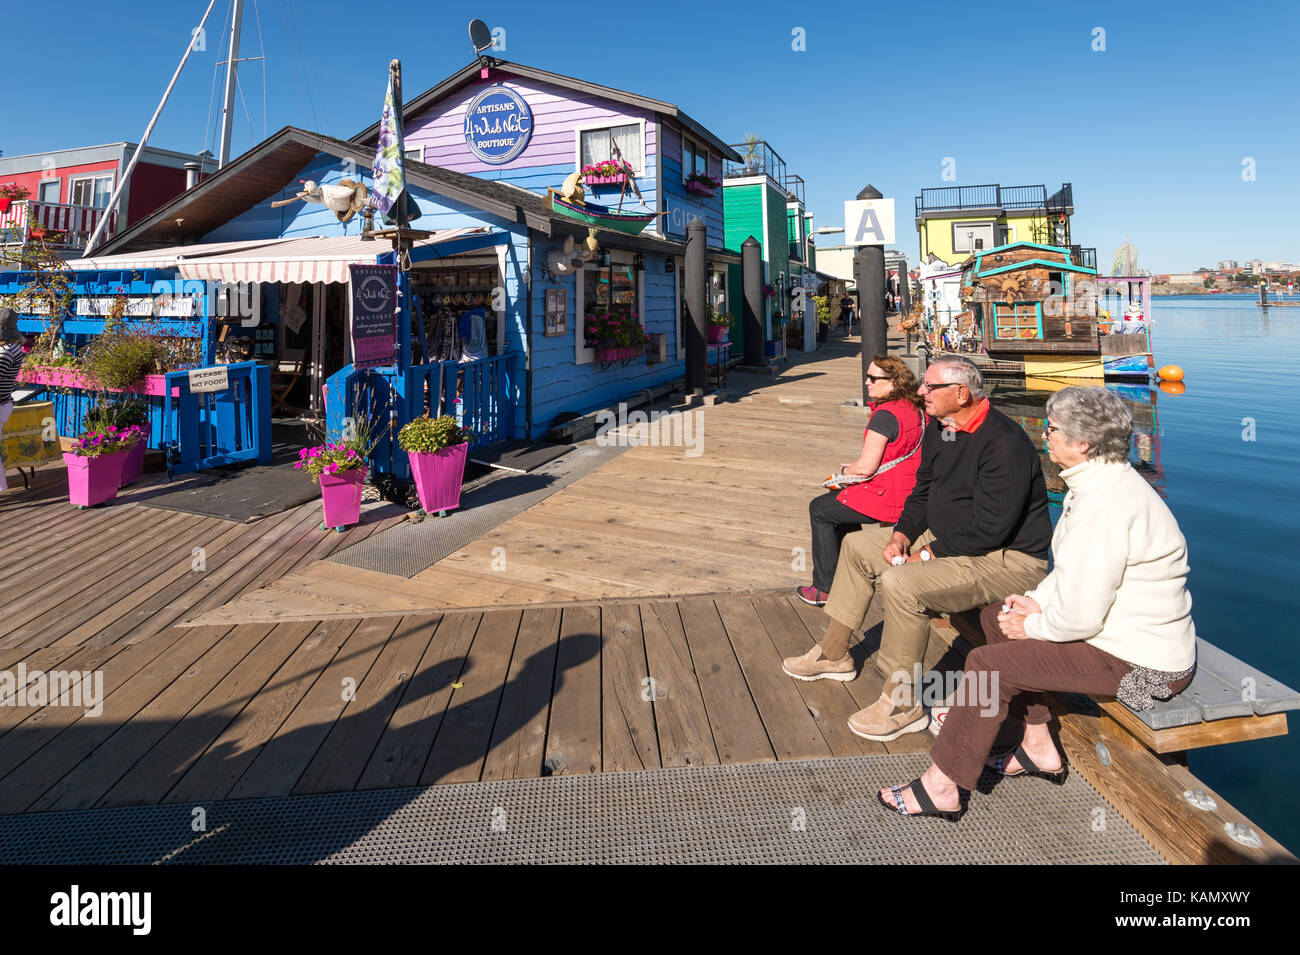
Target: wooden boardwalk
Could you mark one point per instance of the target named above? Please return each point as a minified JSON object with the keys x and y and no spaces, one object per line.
{"x":215,"y":712}
{"x":653,"y":522}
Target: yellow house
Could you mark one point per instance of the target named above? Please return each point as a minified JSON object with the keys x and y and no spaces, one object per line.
{"x":955,"y":222}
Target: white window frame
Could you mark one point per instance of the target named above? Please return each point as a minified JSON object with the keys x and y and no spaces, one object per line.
{"x":698,"y":148}
{"x":91,"y":177}
{"x":418,"y":150}
{"x":45,"y":182}
{"x":608,"y":124}
{"x":988,"y":227}
{"x":583,"y":355}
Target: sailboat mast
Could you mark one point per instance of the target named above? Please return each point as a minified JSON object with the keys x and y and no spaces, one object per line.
{"x":232,"y":69}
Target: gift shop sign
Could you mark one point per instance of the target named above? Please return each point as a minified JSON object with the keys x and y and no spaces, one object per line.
{"x":374,"y":315}
{"x":498,"y":125}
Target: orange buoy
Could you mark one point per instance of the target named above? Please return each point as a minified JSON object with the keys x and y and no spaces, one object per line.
{"x":1173,"y":387}
{"x":1170,"y":373}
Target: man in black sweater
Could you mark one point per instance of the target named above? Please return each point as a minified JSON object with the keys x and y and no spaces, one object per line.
{"x":974,"y":529}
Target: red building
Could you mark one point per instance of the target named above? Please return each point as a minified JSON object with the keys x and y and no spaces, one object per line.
{"x":69,"y":190}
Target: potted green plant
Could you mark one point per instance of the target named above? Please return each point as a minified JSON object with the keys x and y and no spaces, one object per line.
{"x":340,"y":469}
{"x":128,"y":415}
{"x":719,"y":324}
{"x":438,"y":449}
{"x":751,"y":144}
{"x":95,"y":464}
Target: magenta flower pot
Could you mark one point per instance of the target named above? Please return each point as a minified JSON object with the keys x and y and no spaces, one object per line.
{"x":93,"y":481}
{"x":718,"y":334}
{"x":340,"y":496}
{"x":438,"y":477}
{"x":133,"y":462}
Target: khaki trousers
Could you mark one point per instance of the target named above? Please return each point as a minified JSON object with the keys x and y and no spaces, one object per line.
{"x":911,"y":592}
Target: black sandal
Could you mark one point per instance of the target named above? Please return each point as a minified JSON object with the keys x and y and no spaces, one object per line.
{"x":928,"y":808}
{"x":1028,"y":768}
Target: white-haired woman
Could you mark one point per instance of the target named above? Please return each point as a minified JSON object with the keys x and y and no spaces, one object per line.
{"x":1113,"y":618}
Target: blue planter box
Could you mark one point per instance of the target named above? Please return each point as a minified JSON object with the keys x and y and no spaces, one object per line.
{"x":774,"y":349}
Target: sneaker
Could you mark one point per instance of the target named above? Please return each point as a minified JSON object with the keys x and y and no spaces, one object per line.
{"x":813,"y":666}
{"x":811,"y":595}
{"x":884,"y":721}
{"x":937,"y":716}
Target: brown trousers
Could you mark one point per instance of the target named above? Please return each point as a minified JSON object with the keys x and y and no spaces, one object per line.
{"x":1014,"y":672}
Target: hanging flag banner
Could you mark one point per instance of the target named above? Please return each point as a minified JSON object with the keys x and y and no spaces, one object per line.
{"x":389,"y":168}
{"x":374,"y":315}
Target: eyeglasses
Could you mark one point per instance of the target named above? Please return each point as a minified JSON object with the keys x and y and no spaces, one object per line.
{"x":936,"y":385}
{"x":1047,"y":431}
{"x":871,"y":377}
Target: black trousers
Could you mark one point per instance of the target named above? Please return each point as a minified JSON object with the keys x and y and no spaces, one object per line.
{"x":830,"y":521}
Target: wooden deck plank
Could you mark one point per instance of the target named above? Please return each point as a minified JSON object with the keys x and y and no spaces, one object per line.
{"x":519,"y":737}
{"x":737,"y":727}
{"x":403,"y":749}
{"x":628,"y":740}
{"x":214,"y":774}
{"x":828,"y":701}
{"x":89,"y":783}
{"x":151,"y":779}
{"x":282,"y":760}
{"x":573,"y":737}
{"x":351,"y":742}
{"x":57,"y":739}
{"x":790,"y":726}
{"x":681,"y":719}
{"x":462,"y":742}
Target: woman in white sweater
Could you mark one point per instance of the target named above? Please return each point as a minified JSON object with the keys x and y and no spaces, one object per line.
{"x":1113,"y":618}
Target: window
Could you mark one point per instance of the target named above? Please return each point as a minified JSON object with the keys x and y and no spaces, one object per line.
{"x":1019,"y":320}
{"x":695,"y":158}
{"x":594,"y":145}
{"x":49,"y":191}
{"x":414,"y":152}
{"x":616,"y":289}
{"x":972,"y":236}
{"x":91,"y":191}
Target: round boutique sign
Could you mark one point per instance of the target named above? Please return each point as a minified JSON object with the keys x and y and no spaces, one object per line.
{"x":498,"y":125}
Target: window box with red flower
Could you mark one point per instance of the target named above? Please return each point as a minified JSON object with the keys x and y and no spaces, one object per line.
{"x":702,"y":184}
{"x":610,"y":172}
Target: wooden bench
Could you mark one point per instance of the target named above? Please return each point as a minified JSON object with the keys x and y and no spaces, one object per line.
{"x":1227,"y":701}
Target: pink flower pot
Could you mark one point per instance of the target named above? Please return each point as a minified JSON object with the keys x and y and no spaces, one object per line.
{"x":93,"y":481}
{"x":133,"y":462}
{"x":340,"y":496}
{"x":604,"y":180}
{"x":718,"y":334}
{"x":438,"y":477}
{"x":618,"y":352}
{"x":700,"y":188}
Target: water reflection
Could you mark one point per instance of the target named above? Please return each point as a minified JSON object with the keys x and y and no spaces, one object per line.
{"x":1026,"y":403}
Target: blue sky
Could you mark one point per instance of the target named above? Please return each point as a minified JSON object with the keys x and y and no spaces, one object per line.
{"x":1152,"y":132}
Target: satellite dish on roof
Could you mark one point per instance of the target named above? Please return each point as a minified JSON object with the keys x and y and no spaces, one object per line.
{"x":479,"y":35}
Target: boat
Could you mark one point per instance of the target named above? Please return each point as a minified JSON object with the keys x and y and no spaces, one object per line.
{"x":593,"y":214}
{"x":1029,"y":309}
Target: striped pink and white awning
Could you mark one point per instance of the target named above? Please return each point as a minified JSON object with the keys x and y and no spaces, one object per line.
{"x":315,"y":259}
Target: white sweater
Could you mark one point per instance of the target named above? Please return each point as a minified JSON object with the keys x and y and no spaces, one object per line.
{"x":1119,"y":576}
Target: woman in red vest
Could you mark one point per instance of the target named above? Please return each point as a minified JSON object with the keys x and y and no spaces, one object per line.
{"x":891,"y":453}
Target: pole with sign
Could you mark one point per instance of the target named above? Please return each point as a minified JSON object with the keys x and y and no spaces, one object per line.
{"x":869,"y":224}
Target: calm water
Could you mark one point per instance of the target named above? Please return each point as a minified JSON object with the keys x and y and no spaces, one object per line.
{"x":1235,"y":500}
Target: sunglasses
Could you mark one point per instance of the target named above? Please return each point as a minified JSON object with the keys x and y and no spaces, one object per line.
{"x":935,"y":386}
{"x":871,"y":377}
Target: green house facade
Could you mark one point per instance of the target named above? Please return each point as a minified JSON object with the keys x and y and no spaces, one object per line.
{"x":754,"y":200}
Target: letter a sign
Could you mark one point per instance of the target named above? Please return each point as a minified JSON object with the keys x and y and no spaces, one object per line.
{"x":869,"y":221}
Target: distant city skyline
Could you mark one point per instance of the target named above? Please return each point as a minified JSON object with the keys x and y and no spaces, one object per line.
{"x":1158,"y":146}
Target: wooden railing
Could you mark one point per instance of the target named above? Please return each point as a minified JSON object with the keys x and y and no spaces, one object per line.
{"x":72,"y":225}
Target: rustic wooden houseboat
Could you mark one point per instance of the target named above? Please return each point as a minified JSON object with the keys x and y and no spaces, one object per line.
{"x":1032,"y":310}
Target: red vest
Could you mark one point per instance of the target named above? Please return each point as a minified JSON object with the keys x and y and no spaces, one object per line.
{"x":882,"y":497}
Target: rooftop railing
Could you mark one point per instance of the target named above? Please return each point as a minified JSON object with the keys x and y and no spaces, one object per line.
{"x":757,"y":158}
{"x":70,"y":226}
{"x":993,"y":196}
{"x":794,"y":187}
